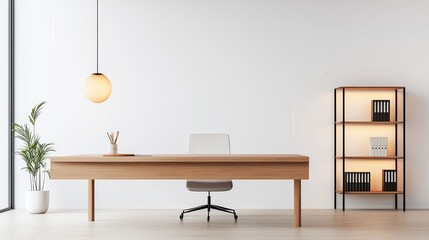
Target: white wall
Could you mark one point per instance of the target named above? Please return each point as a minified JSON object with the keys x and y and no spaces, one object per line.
{"x":262,"y":70}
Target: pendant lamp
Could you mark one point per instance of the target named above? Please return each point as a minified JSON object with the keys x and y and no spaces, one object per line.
{"x":97,"y":86}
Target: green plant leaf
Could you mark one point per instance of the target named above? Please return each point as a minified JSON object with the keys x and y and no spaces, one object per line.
{"x":33,"y":152}
{"x":35,"y":112}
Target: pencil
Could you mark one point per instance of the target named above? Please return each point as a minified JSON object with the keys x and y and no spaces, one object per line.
{"x":108,"y":135}
{"x":117,"y":134}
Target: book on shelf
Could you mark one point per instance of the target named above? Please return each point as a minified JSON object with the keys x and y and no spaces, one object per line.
{"x":378,"y":146}
{"x":390,"y":182}
{"x":357,"y":181}
{"x":380,"y":110}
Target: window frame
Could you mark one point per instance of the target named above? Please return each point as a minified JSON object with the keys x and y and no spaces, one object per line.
{"x":11,"y":107}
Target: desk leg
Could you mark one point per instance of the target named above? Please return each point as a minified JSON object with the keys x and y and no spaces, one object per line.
{"x":91,"y":200}
{"x":297,"y":202}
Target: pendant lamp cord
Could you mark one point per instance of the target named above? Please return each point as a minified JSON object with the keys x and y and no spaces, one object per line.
{"x":97,"y":36}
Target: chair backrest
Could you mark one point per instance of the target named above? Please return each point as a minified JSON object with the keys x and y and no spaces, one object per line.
{"x":211,"y":143}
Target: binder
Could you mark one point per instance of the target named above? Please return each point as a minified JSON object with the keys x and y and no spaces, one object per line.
{"x":360,"y":175}
{"x":378,"y":146}
{"x":357,"y":181}
{"x":385,"y":146}
{"x":386,"y":112}
{"x":390,"y":180}
{"x":380,"y":110}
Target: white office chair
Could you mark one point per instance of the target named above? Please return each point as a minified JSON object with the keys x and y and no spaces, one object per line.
{"x":209,"y":144}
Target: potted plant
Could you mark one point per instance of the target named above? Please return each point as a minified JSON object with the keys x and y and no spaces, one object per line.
{"x":34,"y":154}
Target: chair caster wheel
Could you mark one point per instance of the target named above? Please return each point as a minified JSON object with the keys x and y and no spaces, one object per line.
{"x":181,"y":216}
{"x":208,"y":218}
{"x":235,"y":217}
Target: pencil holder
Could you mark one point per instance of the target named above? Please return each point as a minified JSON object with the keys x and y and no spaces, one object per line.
{"x":113,"y":148}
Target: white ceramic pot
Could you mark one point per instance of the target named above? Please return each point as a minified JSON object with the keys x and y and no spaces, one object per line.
{"x":37,"y":201}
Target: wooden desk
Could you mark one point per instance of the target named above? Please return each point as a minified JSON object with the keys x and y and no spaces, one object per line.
{"x":183,"y":166}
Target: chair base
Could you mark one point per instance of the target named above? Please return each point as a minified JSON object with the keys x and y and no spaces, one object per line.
{"x":209,"y":206}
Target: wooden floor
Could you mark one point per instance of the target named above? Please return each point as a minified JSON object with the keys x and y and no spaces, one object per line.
{"x":252,"y":224}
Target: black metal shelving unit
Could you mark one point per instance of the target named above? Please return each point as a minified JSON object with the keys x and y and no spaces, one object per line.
{"x":341,"y":125}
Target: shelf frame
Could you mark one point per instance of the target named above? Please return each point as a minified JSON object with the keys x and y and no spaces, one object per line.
{"x":342,"y":123}
{"x":369,"y":122}
{"x":370,"y":157}
{"x":371,"y":192}
{"x":371,"y":88}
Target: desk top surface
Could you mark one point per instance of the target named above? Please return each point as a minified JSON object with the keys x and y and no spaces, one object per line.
{"x":203,"y":158}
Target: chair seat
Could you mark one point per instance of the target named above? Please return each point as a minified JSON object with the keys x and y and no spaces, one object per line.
{"x":209,"y":185}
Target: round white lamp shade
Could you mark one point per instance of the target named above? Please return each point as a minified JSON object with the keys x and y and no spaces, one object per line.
{"x":97,"y":88}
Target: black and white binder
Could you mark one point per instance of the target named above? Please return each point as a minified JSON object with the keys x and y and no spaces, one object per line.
{"x":390,"y":180}
{"x":357,"y":181}
{"x":380,"y":110}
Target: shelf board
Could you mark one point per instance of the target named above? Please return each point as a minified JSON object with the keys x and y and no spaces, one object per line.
{"x":372,"y":192}
{"x":370,"y":157}
{"x":374,"y":88}
{"x":368,"y":122}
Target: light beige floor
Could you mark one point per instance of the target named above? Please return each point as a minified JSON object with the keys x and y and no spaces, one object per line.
{"x":252,"y":224}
